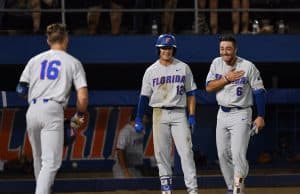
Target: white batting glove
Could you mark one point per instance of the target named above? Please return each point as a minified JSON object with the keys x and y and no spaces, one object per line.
{"x":254,"y":130}
{"x":77,"y":120}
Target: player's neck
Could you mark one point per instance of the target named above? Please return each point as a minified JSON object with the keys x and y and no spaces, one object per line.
{"x":58,"y":47}
{"x":232,"y":62}
{"x":166,"y":62}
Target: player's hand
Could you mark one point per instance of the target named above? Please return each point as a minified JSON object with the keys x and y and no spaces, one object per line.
{"x":77,"y":120}
{"x":259,"y":122}
{"x":233,"y":75}
{"x":138,"y":126}
{"x":192,"y":122}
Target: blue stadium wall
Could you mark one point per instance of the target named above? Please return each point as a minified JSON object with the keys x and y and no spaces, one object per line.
{"x":140,"y":48}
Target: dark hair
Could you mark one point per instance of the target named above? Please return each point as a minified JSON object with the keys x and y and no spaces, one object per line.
{"x":229,"y":38}
{"x":56,"y":33}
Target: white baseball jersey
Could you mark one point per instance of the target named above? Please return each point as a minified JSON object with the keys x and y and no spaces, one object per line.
{"x":239,"y":92}
{"x":166,"y":85}
{"x":132,"y":143}
{"x":50,"y":76}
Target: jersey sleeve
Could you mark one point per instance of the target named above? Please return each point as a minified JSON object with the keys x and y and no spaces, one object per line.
{"x":146,"y":85}
{"x":189,"y":80}
{"x":79,"y":78}
{"x":211,"y":74}
{"x":255,"y":79}
{"x":25,"y":77}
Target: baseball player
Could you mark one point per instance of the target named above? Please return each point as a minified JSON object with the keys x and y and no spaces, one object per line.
{"x":129,"y":150}
{"x":236,"y":81}
{"x":168,"y":87}
{"x":47,"y":80}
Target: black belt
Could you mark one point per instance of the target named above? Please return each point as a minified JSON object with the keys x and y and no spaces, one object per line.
{"x":228,"y":109}
{"x":171,"y":108}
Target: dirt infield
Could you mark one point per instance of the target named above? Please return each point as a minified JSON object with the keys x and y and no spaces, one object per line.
{"x":275,"y":190}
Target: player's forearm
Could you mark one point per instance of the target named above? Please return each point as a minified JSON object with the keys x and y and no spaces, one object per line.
{"x":82,"y":99}
{"x":191,"y":104}
{"x":216,"y":85}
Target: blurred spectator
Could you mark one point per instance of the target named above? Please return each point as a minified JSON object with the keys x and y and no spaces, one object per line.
{"x":139,"y":17}
{"x":22,"y":20}
{"x":129,"y":150}
{"x":167,"y":18}
{"x":2,"y":162}
{"x":93,"y":16}
{"x":237,"y":20}
{"x":202,"y":23}
{"x":116,"y":16}
{"x":84,"y":22}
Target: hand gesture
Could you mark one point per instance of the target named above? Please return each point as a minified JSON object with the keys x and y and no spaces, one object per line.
{"x":233,"y":75}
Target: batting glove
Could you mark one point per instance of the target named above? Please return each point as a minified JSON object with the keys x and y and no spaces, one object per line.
{"x":254,"y":130}
{"x":138,"y":126}
{"x":77,"y":120}
{"x":192,"y":122}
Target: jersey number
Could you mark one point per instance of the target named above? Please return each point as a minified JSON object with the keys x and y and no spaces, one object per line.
{"x":50,"y":69}
{"x":180,"y":90}
{"x":239,"y":91}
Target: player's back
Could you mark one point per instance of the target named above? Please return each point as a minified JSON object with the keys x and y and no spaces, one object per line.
{"x":50,"y":75}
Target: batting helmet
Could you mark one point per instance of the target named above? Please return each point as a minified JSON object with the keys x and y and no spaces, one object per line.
{"x":166,"y":40}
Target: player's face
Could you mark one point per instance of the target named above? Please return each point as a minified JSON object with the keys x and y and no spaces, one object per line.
{"x":166,"y":53}
{"x":227,"y":51}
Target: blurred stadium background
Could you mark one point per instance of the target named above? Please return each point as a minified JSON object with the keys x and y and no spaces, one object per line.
{"x":115,"y":65}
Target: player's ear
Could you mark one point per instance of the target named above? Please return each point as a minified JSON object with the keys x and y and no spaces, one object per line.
{"x":48,"y":42}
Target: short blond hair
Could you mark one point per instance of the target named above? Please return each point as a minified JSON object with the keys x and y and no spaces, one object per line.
{"x":56,"y":33}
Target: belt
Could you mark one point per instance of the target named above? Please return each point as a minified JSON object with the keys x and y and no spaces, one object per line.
{"x":34,"y":101}
{"x":228,"y":109}
{"x":171,"y":108}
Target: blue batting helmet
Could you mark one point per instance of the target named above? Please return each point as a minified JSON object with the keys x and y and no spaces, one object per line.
{"x":166,"y":40}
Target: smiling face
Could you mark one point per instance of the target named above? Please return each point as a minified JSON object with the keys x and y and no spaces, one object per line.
{"x":228,"y":52}
{"x":166,"y":54}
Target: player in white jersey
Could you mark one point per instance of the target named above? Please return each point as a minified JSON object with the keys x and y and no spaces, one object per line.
{"x":168,"y":86}
{"x":235,"y":81}
{"x":129,"y":150}
{"x":46,"y":81}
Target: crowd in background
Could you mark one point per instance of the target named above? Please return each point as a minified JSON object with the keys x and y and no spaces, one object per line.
{"x":117,"y":22}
